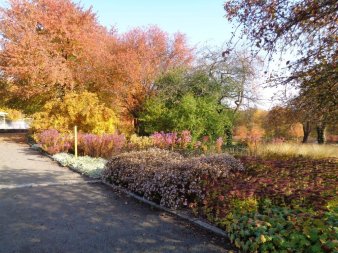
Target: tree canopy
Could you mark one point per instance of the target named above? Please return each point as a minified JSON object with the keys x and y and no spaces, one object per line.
{"x":49,"y":48}
{"x":305,"y":29}
{"x":307,"y":26}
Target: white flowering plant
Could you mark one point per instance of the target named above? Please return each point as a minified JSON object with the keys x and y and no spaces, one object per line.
{"x":86,"y":165}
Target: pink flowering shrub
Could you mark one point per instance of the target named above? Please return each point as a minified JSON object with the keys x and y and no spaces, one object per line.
{"x":167,"y":177}
{"x":88,"y":144}
{"x":54,"y":142}
{"x":172,"y":140}
{"x":106,"y":145}
{"x":185,"y":139}
{"x":100,"y":145}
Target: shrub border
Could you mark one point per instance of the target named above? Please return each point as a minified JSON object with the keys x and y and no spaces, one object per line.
{"x":181,"y":214}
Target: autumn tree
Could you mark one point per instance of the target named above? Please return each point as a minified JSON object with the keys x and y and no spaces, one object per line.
{"x":48,"y":47}
{"x":284,"y":122}
{"x":76,"y":109}
{"x":308,"y":29}
{"x":140,"y":57}
{"x":306,"y":105}
{"x":296,"y":131}
{"x":276,"y":122}
{"x":249,"y":125}
{"x":308,"y":26}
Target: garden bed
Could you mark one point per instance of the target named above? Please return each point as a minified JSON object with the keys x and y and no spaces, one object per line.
{"x":270,"y":205}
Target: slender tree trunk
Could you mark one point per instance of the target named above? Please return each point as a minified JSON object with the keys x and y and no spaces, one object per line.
{"x":321,"y":133}
{"x":307,"y":131}
{"x":136,"y":125}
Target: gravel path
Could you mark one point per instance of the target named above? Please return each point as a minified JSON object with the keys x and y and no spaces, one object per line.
{"x":65,"y":212}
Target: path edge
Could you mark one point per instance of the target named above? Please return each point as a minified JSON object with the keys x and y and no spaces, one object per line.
{"x":196,"y":221}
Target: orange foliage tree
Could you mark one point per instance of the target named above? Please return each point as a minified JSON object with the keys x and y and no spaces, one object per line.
{"x":48,"y":48}
{"x":241,"y":133}
{"x":296,"y":131}
{"x":141,"y":56}
{"x":250,"y":136}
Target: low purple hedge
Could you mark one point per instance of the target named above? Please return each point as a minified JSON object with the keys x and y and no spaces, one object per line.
{"x":167,"y":177}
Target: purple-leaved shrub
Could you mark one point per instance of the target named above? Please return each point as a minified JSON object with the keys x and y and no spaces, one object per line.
{"x":167,"y":177}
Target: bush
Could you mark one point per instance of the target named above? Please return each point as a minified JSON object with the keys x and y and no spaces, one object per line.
{"x":93,"y":145}
{"x":277,"y":205}
{"x":199,"y":115}
{"x":166,"y":177}
{"x":83,"y":110}
{"x":172,"y":140}
{"x":100,"y":145}
{"x":86,"y":165}
{"x":139,"y":142}
{"x":284,"y":205}
{"x":295,"y":182}
{"x":54,"y":142}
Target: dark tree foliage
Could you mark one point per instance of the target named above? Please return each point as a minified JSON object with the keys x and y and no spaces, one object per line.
{"x":308,"y":29}
{"x":310,"y":26}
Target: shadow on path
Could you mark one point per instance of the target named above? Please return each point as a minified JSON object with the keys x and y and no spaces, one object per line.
{"x":82,"y":217}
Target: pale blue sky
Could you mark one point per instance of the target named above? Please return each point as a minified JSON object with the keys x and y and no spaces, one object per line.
{"x":201,"y":20}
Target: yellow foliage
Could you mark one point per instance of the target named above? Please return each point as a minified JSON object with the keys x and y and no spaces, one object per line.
{"x":13,"y":114}
{"x":83,"y":110}
{"x":140,"y":142}
{"x":241,"y":133}
{"x":259,"y":116}
{"x":249,"y":204}
{"x":296,"y":130}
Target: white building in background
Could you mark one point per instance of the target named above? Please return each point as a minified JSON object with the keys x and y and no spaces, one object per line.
{"x":3,"y":119}
{"x":12,"y":124}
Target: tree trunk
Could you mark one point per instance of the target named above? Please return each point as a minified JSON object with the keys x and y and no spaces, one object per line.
{"x":136,"y":125}
{"x":320,"y":134}
{"x":307,"y":131}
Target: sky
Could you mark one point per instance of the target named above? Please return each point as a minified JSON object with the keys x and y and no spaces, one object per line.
{"x":202,"y":21}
